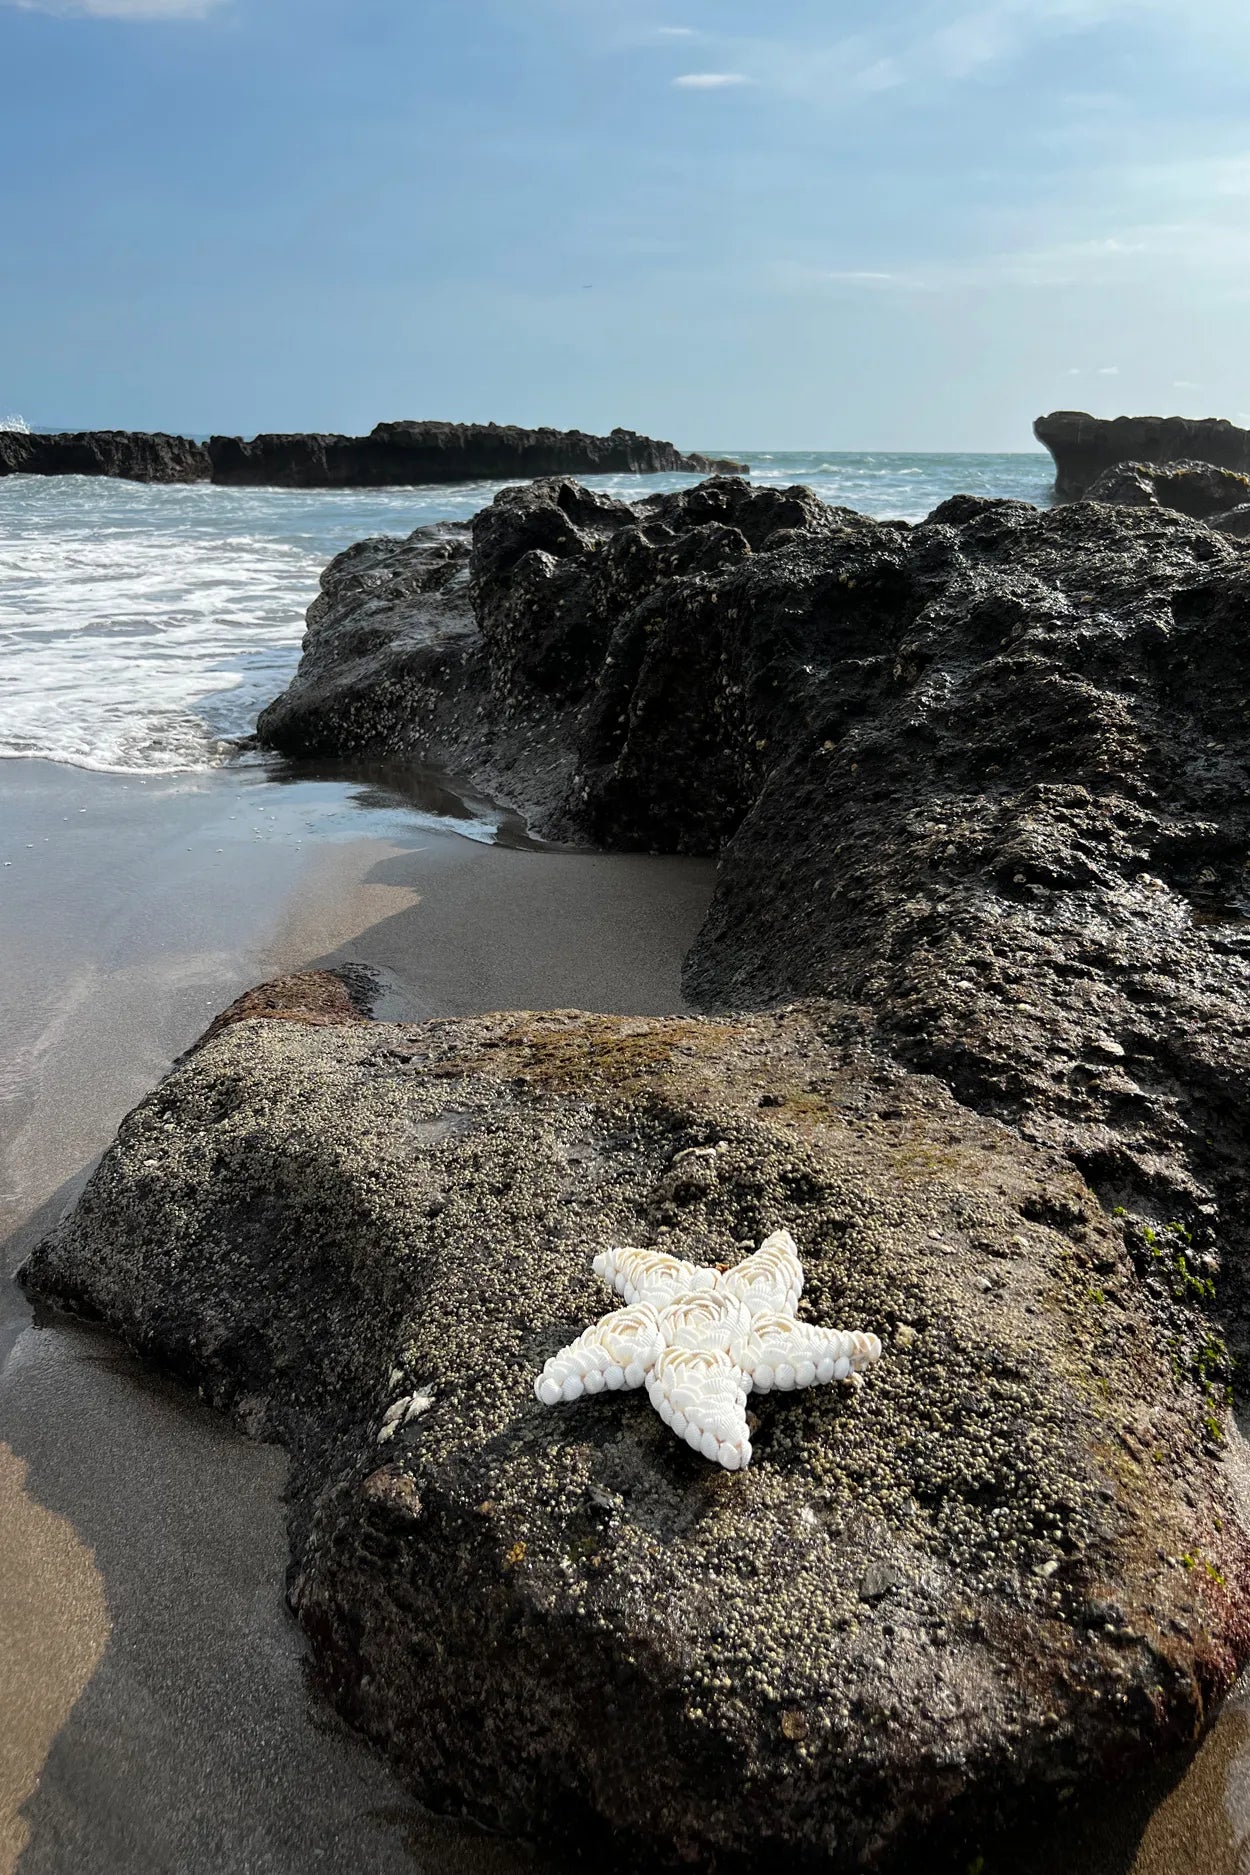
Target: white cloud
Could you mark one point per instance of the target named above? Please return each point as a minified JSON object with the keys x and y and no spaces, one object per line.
{"x":121,"y":9}
{"x":1185,"y":384}
{"x":862,"y":276}
{"x":710,"y":81}
{"x":676,"y":32}
{"x":1108,"y":371}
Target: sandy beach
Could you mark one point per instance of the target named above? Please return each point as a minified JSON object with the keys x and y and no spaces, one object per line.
{"x":156,"y":1716}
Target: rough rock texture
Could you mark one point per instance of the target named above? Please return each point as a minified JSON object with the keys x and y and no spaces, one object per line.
{"x":514,"y":643}
{"x":317,"y":998}
{"x":1084,"y":447}
{"x":1007,"y":1565}
{"x":1193,"y":488}
{"x":393,"y":454}
{"x":136,"y":455}
{"x":1235,"y":522}
{"x":988,"y":775}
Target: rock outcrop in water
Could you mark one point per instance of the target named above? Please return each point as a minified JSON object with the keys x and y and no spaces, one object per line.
{"x":392,"y":455}
{"x":1084,"y":447}
{"x":980,"y":797}
{"x":1007,"y":1564}
{"x":134,"y":455}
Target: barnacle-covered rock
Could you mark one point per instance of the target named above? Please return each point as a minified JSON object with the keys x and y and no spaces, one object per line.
{"x":876,"y":1642}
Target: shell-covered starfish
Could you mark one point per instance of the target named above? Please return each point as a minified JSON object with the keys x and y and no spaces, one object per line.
{"x":701,"y":1339}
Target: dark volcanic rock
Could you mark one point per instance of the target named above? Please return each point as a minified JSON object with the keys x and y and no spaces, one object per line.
{"x":138,"y":456}
{"x":988,"y":774}
{"x":517,"y":644}
{"x":1197,"y":489}
{"x":1009,"y":1564}
{"x":1084,"y":447}
{"x":394,"y":454}
{"x":1235,"y":522}
{"x":413,"y":454}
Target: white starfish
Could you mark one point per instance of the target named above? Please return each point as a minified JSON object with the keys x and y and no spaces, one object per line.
{"x":701,"y":1340}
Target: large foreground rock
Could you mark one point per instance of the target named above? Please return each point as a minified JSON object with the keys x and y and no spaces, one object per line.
{"x":392,"y":455}
{"x":989,"y":775}
{"x":1008,"y":1565}
{"x":1084,"y":447}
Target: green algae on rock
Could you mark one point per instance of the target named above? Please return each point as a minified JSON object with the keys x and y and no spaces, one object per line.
{"x":961,"y":1590}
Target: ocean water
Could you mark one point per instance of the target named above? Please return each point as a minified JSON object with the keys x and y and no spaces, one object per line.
{"x":142,"y":628}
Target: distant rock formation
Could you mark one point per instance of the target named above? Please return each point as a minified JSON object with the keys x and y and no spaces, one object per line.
{"x":392,"y":455}
{"x":1084,"y":447}
{"x":135,"y":455}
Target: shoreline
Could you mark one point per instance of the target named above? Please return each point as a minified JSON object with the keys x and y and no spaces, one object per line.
{"x":155,"y":1675}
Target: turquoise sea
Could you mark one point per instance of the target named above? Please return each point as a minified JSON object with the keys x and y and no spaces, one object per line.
{"x":142,"y":628}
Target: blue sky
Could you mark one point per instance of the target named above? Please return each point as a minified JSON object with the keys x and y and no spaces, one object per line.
{"x":739,"y":223}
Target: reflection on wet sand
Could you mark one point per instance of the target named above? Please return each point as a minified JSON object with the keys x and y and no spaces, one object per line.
{"x":54,"y":1625}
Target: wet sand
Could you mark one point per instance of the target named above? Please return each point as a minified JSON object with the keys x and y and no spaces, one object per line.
{"x":151,"y":1687}
{"x":154,"y":1709}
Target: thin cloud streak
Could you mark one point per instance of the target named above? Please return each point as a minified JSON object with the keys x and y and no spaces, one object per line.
{"x":709,"y":81}
{"x":120,"y":9}
{"x":950,"y":44}
{"x":1216,"y":251}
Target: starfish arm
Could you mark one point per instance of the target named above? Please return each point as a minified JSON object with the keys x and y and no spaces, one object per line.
{"x":699,"y":1392}
{"x":618,"y":1351}
{"x":771,"y":1277}
{"x":782,"y":1352}
{"x":649,"y":1275}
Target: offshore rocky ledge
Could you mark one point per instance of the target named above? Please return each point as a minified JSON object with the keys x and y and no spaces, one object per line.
{"x":975,"y":1028}
{"x":399,"y":455}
